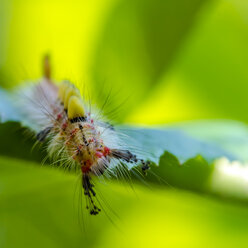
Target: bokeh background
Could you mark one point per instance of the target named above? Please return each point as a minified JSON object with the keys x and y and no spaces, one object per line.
{"x":166,"y":61}
{"x":161,"y":62}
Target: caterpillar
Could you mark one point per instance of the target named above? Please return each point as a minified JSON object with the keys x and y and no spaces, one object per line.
{"x":75,"y":133}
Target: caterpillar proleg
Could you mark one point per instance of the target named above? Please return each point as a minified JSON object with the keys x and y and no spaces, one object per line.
{"x":75,"y":134}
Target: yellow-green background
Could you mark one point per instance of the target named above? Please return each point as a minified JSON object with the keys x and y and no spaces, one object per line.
{"x":163,"y":61}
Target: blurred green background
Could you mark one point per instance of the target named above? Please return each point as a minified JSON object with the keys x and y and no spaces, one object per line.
{"x":166,"y":60}
{"x":161,"y":61}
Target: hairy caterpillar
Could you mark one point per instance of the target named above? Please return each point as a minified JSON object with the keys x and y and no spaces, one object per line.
{"x":76,"y":135}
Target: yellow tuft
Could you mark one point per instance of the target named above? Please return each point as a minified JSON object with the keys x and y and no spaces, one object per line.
{"x":62,"y":89}
{"x":75,"y":107}
{"x":69,"y":92}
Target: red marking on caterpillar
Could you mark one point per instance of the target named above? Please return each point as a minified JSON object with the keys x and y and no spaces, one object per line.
{"x":64,"y":126}
{"x":74,"y":131}
{"x":78,"y":149}
{"x":106,"y":151}
{"x":86,"y":168}
{"x":99,"y":154}
{"x":59,"y":116}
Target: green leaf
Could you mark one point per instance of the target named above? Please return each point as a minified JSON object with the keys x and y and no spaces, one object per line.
{"x":20,"y":142}
{"x":148,"y":144}
{"x":7,"y":109}
{"x":154,"y":142}
{"x":175,"y":167}
{"x":177,"y":159}
{"x":230,"y":135}
{"x":194,"y":174}
{"x":37,"y":210}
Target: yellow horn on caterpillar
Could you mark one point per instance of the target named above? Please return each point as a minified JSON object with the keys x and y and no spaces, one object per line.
{"x":75,"y":107}
{"x":70,"y":91}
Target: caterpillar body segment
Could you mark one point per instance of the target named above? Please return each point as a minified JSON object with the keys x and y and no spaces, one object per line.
{"x":69,"y":92}
{"x":62,"y":89}
{"x":75,"y":108}
{"x":76,"y":137}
